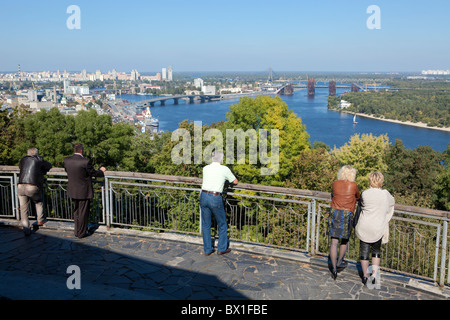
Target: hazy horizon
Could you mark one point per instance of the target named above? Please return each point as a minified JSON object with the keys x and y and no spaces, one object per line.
{"x":211,"y":36}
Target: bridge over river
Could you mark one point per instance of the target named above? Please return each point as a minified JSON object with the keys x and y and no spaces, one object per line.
{"x":268,"y":89}
{"x":190,"y":98}
{"x":202,"y":98}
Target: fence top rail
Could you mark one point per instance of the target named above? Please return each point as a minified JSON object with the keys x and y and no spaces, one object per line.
{"x":440,"y":214}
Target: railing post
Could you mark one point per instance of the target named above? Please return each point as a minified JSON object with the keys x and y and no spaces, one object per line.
{"x":106,"y":202}
{"x":313,"y":227}
{"x":110,"y":205}
{"x":14,"y":190}
{"x":200,"y":222}
{"x":200,"y":229}
{"x":444,"y":253}
{"x":308,"y":227}
{"x":436,"y":254}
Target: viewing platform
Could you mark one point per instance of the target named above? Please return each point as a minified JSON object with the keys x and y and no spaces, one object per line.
{"x":146,"y":245}
{"x":134,"y":265}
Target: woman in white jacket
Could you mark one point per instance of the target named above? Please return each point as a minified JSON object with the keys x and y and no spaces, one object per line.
{"x":373,"y":224}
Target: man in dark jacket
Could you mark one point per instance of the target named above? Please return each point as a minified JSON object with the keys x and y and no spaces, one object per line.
{"x":31,"y":180}
{"x":80,"y":172}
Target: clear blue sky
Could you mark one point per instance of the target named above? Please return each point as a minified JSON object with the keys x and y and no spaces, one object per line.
{"x":212,"y":35}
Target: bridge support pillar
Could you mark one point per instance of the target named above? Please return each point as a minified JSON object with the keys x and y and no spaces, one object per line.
{"x":332,"y":88}
{"x":163,"y":102}
{"x":175,"y":101}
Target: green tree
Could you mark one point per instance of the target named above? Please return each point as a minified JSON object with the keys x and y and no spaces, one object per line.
{"x":50,"y":132}
{"x":426,"y":106}
{"x":365,"y":153}
{"x":54,"y":135}
{"x":92,"y":131}
{"x":441,"y":195}
{"x":191,"y":163}
{"x":411,"y":175}
{"x":12,"y":135}
{"x":143,"y":149}
{"x":268,"y":113}
{"x":441,"y":190}
{"x":314,"y":169}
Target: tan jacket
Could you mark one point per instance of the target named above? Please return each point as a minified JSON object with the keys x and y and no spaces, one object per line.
{"x":377,"y":211}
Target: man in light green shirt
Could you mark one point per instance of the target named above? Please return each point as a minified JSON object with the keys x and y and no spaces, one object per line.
{"x":214,"y":177}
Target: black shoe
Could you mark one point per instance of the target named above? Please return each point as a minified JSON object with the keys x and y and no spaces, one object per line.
{"x":342,"y":265}
{"x":334,"y":274}
{"x":364,"y":280}
{"x":26,"y":231}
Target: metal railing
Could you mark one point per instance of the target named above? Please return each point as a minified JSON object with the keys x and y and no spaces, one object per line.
{"x":284,"y":218}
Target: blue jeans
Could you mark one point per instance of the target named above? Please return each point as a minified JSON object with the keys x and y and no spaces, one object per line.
{"x":210,"y":205}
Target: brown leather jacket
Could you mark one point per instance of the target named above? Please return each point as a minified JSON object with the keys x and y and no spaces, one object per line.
{"x":345,"y":194}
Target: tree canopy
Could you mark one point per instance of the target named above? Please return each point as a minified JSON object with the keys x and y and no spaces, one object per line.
{"x":273,"y":115}
{"x":430,"y":107}
{"x":366,"y":154}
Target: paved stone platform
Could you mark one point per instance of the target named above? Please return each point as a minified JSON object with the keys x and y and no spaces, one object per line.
{"x":128,"y":265}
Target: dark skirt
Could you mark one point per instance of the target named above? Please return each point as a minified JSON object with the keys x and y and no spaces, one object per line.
{"x":340,"y":224}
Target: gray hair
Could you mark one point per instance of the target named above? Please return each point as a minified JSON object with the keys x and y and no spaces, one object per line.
{"x":217,"y":157}
{"x":33,"y":152}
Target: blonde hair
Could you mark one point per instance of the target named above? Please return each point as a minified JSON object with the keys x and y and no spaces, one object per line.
{"x":347,"y":173}
{"x":376,"y":179}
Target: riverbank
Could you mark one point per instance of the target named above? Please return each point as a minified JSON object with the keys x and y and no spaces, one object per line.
{"x":407,"y":123}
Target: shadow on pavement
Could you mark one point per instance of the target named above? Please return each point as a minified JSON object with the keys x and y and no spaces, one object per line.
{"x":36,"y":268}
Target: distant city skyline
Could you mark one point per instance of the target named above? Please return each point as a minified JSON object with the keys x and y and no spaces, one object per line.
{"x":203,"y":36}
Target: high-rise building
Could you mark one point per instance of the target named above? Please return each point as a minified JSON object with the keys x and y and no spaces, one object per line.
{"x":66,"y":86}
{"x":164,"y":74}
{"x":198,"y":83}
{"x":135,"y":75}
{"x":170,"y":75}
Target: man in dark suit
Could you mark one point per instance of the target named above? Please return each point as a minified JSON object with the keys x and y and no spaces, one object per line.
{"x":80,"y":172}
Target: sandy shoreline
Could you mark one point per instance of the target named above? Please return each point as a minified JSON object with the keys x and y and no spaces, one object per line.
{"x":407,"y":123}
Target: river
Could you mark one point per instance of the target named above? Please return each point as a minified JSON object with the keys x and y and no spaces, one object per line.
{"x":331,"y":127}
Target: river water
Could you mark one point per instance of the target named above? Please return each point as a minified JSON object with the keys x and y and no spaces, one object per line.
{"x":331,"y":127}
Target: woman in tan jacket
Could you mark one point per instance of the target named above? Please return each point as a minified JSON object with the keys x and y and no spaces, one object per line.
{"x":344,"y":198}
{"x":373,"y":224}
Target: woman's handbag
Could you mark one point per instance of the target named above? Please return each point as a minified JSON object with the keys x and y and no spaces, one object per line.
{"x":357,"y":214}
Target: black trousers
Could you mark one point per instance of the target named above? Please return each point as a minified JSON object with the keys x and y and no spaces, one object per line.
{"x":81,"y":217}
{"x":365,"y":249}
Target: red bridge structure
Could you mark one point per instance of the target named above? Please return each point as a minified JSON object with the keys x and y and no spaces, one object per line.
{"x":332,"y":88}
{"x":311,"y":87}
